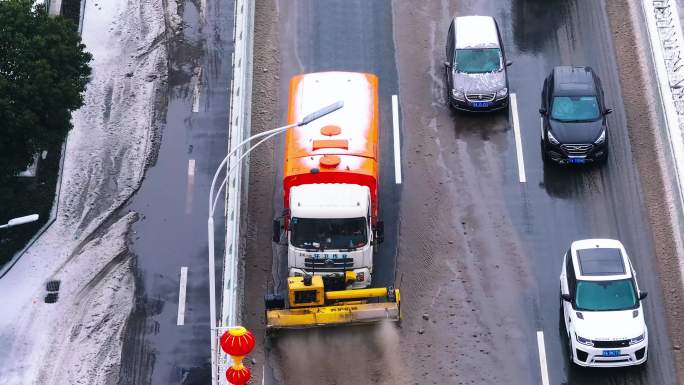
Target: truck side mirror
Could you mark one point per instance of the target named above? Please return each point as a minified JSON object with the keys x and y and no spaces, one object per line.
{"x":276,"y":230}
{"x":447,"y":64}
{"x":508,"y":63}
{"x":380,"y":232}
{"x":542,"y":111}
{"x":608,"y":111}
{"x":566,"y":297}
{"x":642,"y":295}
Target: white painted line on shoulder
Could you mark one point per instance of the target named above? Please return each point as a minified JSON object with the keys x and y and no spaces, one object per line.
{"x":191,"y":167}
{"x":397,"y":139}
{"x":181,"y":296}
{"x":518,"y":140}
{"x":190,"y":186}
{"x":196,"y":91}
{"x":542,"y":358}
{"x":263,"y":375}
{"x":203,"y":9}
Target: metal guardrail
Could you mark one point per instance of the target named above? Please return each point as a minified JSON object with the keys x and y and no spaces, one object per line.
{"x":667,"y":48}
{"x":239,"y":129}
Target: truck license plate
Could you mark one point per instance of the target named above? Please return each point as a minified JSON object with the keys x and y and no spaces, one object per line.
{"x":611,"y":353}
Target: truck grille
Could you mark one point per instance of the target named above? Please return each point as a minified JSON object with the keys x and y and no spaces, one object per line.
{"x":611,"y":344}
{"x":322,"y":264}
{"x":577,"y":149}
{"x":480,"y":96}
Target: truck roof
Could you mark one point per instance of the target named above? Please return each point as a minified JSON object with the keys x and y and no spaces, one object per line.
{"x":343,"y":141}
{"x":338,"y":200}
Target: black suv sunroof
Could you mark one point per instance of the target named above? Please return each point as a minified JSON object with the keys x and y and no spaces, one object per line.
{"x":600,"y":261}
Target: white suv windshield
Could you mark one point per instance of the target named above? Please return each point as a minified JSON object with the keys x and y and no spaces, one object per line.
{"x":478,"y":60}
{"x":335,"y":234}
{"x":605,"y":295}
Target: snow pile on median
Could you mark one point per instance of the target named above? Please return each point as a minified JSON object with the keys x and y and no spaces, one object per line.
{"x":78,"y":339}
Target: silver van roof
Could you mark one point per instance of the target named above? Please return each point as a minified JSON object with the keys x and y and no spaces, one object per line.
{"x":475,"y":32}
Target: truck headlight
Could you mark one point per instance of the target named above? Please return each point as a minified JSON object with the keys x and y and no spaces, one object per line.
{"x":601,"y":138}
{"x":552,"y":138}
{"x":502,"y":93}
{"x":583,"y":340}
{"x":637,"y":339}
{"x":458,"y":94}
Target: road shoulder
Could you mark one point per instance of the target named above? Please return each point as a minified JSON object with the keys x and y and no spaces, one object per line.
{"x":649,"y":148}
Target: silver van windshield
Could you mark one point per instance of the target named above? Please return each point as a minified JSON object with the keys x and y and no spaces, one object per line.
{"x":478,"y":60}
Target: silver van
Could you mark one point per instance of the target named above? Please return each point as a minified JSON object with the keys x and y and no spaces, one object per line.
{"x":476,"y":65}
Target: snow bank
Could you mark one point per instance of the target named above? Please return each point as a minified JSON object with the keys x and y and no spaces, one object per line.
{"x":77,"y":339}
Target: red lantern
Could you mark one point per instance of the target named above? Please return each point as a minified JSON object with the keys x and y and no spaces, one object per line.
{"x":238,"y":376}
{"x":237,"y":341}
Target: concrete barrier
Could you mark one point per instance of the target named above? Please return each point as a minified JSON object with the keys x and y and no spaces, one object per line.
{"x":667,"y":50}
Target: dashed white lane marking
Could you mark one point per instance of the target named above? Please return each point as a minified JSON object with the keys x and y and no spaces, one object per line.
{"x":203,"y":10}
{"x":181,"y":296}
{"x":542,"y":358}
{"x":397,"y":139}
{"x":190,"y":187}
{"x":263,"y":375}
{"x":196,"y":92}
{"x":518,"y":140}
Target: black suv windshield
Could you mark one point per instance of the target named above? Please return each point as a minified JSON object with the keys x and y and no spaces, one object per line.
{"x":606,"y":295}
{"x":345,"y":233}
{"x":575,"y":108}
{"x":477,"y":60}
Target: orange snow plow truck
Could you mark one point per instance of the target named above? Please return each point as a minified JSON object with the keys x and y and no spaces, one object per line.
{"x":330,"y":197}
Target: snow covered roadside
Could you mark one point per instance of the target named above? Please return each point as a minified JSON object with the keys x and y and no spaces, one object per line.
{"x":78,"y":339}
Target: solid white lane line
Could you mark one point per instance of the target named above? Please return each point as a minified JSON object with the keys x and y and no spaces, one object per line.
{"x":397,"y":139}
{"x":190,"y":186}
{"x":518,"y":140}
{"x":181,"y":296}
{"x":196,"y":92}
{"x":542,"y":358}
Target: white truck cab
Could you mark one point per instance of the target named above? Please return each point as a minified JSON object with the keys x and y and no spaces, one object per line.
{"x":330,"y":231}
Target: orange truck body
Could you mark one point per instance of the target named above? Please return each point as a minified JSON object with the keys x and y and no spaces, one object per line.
{"x":341,"y":147}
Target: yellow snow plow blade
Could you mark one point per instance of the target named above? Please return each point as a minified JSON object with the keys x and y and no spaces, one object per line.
{"x":309,"y":305}
{"x":333,"y":315}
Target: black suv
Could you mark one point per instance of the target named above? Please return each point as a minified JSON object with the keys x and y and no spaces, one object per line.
{"x":574,"y":117}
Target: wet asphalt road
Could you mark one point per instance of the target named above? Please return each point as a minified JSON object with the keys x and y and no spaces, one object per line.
{"x":173,"y":206}
{"x":478,"y":251}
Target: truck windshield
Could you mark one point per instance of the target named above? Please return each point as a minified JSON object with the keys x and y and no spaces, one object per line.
{"x":321,"y":233}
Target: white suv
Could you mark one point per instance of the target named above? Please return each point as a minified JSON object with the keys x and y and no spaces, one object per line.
{"x":601,"y":305}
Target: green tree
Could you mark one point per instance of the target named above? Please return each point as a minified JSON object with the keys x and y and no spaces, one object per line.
{"x":43,"y":73}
